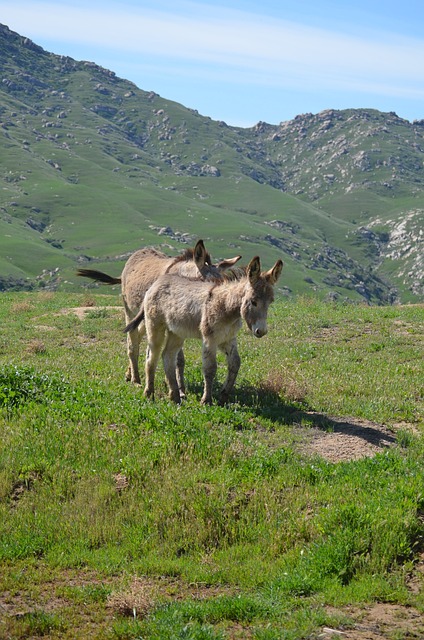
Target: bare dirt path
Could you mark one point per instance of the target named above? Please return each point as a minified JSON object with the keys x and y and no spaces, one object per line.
{"x":350,"y":438}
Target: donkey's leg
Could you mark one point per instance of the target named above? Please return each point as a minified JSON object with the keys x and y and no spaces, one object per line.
{"x":209,"y":370}
{"x":180,"y":372}
{"x":169,"y":356}
{"x":130,"y":348}
{"x":233,"y":366}
{"x":133,"y":347}
{"x":155,"y":341}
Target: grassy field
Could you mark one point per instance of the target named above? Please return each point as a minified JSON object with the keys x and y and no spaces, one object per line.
{"x":122,"y":518}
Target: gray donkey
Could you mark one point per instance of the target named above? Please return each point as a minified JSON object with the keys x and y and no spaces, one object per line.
{"x":176,"y":309}
{"x":141,"y":270}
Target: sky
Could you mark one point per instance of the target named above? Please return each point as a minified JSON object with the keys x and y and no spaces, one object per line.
{"x":244,"y":61}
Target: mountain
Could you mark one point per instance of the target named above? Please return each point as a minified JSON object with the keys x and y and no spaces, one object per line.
{"x":93,"y":167}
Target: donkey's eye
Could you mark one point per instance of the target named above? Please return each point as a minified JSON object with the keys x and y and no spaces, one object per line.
{"x":254,"y":303}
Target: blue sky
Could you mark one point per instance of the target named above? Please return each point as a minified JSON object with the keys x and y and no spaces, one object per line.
{"x":242,"y":61}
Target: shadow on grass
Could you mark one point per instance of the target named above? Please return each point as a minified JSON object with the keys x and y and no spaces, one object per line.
{"x":370,"y":432}
{"x":272,"y":406}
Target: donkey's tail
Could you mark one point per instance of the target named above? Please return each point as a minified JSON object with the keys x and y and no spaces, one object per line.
{"x":99,"y":276}
{"x":131,"y":326}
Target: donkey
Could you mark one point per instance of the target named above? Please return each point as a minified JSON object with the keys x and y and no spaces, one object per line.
{"x":175,"y":309}
{"x":140,"y":272}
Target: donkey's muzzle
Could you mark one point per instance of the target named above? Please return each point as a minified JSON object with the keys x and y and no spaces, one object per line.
{"x":259,"y":332}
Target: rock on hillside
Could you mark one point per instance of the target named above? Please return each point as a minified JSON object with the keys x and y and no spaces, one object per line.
{"x":342,"y":151}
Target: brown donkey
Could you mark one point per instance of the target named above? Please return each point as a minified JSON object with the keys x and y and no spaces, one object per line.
{"x":176,"y":309}
{"x":141,"y":270}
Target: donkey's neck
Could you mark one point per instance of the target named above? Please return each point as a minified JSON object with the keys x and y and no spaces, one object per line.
{"x":221,"y":318}
{"x":228,"y":297}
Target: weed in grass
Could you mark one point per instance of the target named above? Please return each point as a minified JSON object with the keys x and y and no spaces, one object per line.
{"x":282,"y":383}
{"x":44,"y":297}
{"x":35,"y":346}
{"x":36,"y":624}
{"x":88,"y":300}
{"x":21,"y":306}
{"x":19,"y":385}
{"x":127,"y":629}
{"x":90,"y":593}
{"x":238,"y":608}
{"x":135,"y":602}
{"x":180,"y":622}
{"x":405,"y":437}
{"x":96,"y":314}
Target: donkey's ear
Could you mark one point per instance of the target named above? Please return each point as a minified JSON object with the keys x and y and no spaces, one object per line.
{"x":254,"y":269}
{"x":226,"y":264}
{"x":199,"y":254}
{"x":273,"y":274}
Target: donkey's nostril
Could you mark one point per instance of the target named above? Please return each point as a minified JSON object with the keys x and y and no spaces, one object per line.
{"x":260,"y":332}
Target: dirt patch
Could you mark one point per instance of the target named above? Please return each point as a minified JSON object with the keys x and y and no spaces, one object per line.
{"x":43,"y":327}
{"x":47,"y":592}
{"x":379,"y":622}
{"x":346,"y":439}
{"x":81,"y":312}
{"x":143,"y":594}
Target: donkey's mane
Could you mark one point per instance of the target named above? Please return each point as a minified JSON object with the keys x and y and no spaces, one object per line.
{"x":188,"y":254}
{"x":234,"y":273}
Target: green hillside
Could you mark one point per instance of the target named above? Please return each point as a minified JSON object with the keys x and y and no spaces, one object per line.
{"x":92,"y":168}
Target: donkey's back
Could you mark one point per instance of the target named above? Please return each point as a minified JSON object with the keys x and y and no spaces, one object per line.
{"x":141,"y":270}
{"x":178,"y":304}
{"x":145,"y":266}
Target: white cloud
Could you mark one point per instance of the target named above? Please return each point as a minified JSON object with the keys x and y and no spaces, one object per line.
{"x":239,"y":46}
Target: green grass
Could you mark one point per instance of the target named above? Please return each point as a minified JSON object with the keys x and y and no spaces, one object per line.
{"x":126,"y":518}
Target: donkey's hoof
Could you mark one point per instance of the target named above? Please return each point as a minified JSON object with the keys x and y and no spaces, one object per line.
{"x":175,"y":397}
{"x":129,"y":376}
{"x":148,"y":393}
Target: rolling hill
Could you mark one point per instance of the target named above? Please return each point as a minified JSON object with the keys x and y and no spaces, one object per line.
{"x":92,"y":168}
